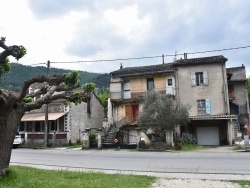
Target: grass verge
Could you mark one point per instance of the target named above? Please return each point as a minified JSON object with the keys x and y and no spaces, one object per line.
{"x":194,"y":147}
{"x":242,"y":183}
{"x":32,"y":177}
{"x":74,"y":146}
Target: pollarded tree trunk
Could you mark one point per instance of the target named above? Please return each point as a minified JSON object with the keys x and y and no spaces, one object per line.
{"x":9,"y":122}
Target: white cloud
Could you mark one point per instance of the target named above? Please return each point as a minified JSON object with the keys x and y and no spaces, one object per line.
{"x":62,"y":30}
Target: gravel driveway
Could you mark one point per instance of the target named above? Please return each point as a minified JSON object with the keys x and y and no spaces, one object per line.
{"x":191,"y":183}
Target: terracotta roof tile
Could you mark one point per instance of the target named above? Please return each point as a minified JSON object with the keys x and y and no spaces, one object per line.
{"x":164,"y":68}
{"x":210,"y":59}
{"x":143,"y":70}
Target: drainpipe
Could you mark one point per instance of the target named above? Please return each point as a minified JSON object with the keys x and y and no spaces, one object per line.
{"x":177,"y":85}
{"x":225,"y":90}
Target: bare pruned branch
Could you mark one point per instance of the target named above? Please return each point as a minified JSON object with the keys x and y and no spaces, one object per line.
{"x":53,"y":80}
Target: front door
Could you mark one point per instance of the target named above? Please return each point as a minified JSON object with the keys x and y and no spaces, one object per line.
{"x":135,"y":112}
{"x":131,"y":113}
{"x":128,"y":113}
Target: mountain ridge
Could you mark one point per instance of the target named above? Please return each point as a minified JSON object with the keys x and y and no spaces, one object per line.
{"x":19,"y":73}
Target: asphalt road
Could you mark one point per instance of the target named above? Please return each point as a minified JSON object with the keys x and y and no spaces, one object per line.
{"x":210,"y":164}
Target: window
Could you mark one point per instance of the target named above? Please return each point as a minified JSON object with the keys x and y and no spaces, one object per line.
{"x":21,"y":127}
{"x":29,"y":126}
{"x":37,"y":126}
{"x":126,"y":90}
{"x":199,"y":78}
{"x":203,"y":106}
{"x":53,"y":126}
{"x":150,"y":84}
{"x":170,"y":82}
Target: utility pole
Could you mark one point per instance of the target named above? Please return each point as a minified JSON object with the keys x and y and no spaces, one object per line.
{"x":46,"y":123}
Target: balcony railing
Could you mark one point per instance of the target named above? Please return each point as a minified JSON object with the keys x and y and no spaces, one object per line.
{"x":137,"y":94}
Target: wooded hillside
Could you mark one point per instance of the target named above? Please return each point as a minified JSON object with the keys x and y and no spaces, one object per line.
{"x":19,"y":73}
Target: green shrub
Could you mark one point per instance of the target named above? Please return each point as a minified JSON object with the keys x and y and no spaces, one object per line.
{"x":49,"y":144}
{"x":178,"y":143}
{"x":70,"y":143}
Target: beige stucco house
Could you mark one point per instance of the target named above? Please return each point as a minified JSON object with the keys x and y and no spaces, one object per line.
{"x":200,"y":82}
{"x":127,"y":88}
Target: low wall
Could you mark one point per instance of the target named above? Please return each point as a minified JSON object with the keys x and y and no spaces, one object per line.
{"x":37,"y":139}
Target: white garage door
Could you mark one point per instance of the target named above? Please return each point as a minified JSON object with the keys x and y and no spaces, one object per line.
{"x":208,"y":136}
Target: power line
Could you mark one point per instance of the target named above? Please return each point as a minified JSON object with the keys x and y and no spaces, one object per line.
{"x":145,"y":57}
{"x":118,"y":59}
{"x":150,"y":57}
{"x":226,"y":49}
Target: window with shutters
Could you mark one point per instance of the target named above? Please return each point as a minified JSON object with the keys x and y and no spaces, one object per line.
{"x":199,"y":78}
{"x":203,"y":106}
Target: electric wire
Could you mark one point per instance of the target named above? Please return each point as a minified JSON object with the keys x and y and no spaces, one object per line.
{"x":151,"y":57}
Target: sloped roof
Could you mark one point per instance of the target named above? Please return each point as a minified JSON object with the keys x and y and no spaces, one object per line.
{"x":205,"y":117}
{"x":164,"y":68}
{"x":143,"y":70}
{"x":41,"y":116}
{"x":211,"y":59}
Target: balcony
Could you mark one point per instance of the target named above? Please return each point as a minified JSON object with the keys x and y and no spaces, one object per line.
{"x":128,"y":95}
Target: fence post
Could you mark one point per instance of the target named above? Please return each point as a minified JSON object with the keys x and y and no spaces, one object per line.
{"x":99,"y":138}
{"x":138,"y":137}
{"x":85,"y":139}
{"x":169,"y":138}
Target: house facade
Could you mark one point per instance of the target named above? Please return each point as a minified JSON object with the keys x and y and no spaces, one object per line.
{"x":66,"y":122}
{"x":127,"y":88}
{"x":201,"y":83}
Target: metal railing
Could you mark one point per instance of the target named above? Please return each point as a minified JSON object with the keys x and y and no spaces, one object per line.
{"x":140,"y":93}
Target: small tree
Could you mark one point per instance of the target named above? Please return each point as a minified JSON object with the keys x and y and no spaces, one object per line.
{"x":162,"y":112}
{"x":14,"y":105}
{"x":90,"y":87}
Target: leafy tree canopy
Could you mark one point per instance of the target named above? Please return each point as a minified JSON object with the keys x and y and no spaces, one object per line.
{"x":72,"y":79}
{"x":89,"y":87}
{"x":162,"y":112}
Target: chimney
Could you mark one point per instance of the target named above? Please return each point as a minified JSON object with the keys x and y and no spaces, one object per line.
{"x":185,"y":55}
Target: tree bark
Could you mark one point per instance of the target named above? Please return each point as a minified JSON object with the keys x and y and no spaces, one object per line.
{"x":9,"y":122}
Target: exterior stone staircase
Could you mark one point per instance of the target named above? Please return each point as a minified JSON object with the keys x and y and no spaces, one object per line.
{"x":109,"y":136}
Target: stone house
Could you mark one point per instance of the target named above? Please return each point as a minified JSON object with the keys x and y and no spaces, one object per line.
{"x":200,"y":82}
{"x":66,"y":122}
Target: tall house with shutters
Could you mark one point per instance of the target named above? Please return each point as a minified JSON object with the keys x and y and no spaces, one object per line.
{"x":202,"y":83}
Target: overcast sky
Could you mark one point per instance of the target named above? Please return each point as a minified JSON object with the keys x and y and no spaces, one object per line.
{"x":80,"y":30}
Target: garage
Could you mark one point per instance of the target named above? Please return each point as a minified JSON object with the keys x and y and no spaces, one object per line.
{"x":208,"y":136}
